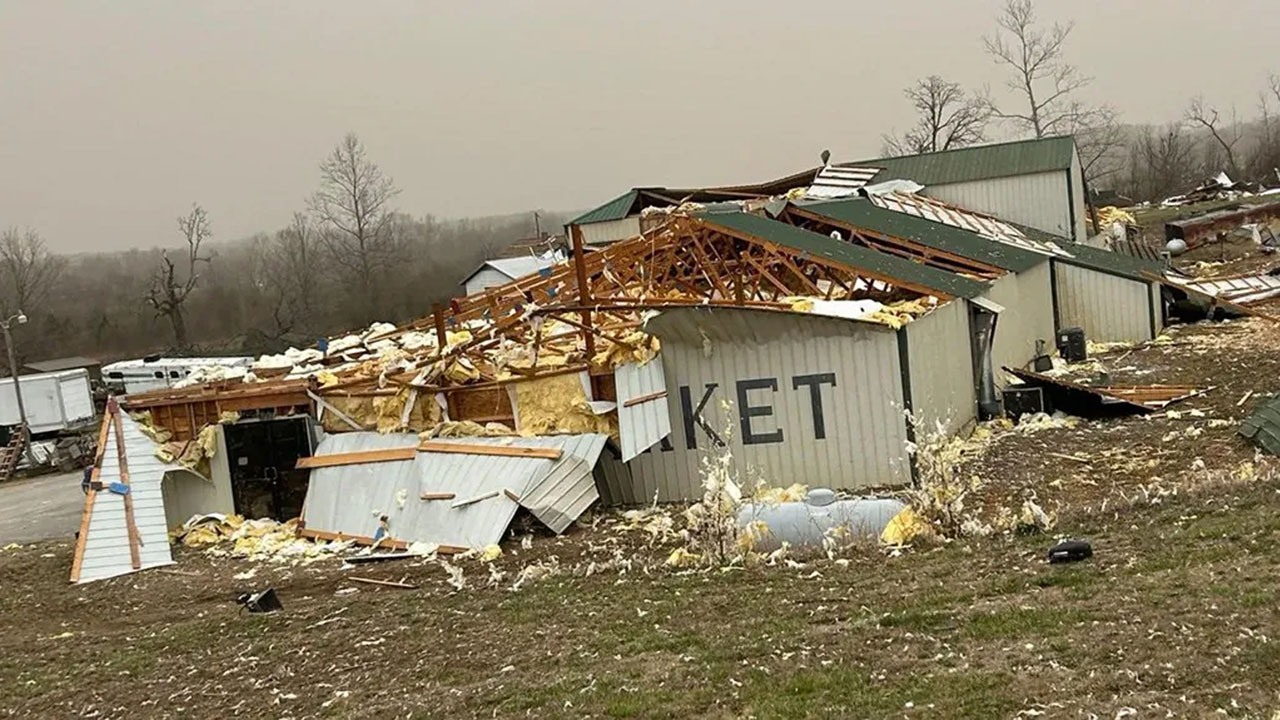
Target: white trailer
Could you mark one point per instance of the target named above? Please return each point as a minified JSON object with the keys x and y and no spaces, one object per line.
{"x":136,"y":376}
{"x":53,"y":401}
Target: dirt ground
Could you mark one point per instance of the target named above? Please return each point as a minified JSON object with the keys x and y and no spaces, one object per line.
{"x":1174,"y":616}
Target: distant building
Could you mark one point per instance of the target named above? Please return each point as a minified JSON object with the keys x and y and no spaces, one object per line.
{"x":501,"y":271}
{"x":1037,"y":183}
{"x":67,"y":363}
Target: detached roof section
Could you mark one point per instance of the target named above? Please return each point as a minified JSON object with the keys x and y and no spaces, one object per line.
{"x":615,"y":209}
{"x":888,"y":266}
{"x":862,"y":213}
{"x":980,"y":162}
{"x":635,"y":200}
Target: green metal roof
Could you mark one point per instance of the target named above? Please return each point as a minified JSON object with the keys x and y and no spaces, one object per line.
{"x":980,"y":162}
{"x":862,"y":213}
{"x":1263,"y":426}
{"x":615,"y":209}
{"x":848,"y":254}
{"x":1109,"y":261}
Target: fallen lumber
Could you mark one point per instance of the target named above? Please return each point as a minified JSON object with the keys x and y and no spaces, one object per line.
{"x":363,"y":457}
{"x":383,"y":583}
{"x":478,"y":449}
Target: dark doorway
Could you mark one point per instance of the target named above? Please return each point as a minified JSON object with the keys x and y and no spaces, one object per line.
{"x":262,"y":455}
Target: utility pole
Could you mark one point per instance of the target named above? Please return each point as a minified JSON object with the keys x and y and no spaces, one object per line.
{"x":17,"y":390}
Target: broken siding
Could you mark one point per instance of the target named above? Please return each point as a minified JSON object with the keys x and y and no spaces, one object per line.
{"x":1109,"y":308}
{"x":106,"y":543}
{"x":642,"y":424}
{"x":851,"y":436}
{"x":1028,"y":316}
{"x":1038,"y":200}
{"x":350,"y":499}
{"x":601,"y":233}
{"x":941,"y":360}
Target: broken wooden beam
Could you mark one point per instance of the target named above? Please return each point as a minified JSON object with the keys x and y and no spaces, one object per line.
{"x":362,"y":457}
{"x":383,"y":583}
{"x":478,"y":449}
{"x":644,"y":398}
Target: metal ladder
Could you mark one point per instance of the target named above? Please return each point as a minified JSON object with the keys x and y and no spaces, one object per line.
{"x":11,"y":454}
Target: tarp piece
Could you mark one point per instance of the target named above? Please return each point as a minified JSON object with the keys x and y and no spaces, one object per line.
{"x":450,"y":499}
{"x":643,"y":417}
{"x":103,"y":549}
{"x":1263,"y":426}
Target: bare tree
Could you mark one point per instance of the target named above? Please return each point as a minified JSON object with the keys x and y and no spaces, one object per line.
{"x":1225,"y":135}
{"x":285,"y":271}
{"x":1162,"y":162}
{"x":1264,"y":164}
{"x":1045,"y":82}
{"x":353,"y":208}
{"x":947,"y":118}
{"x":171,"y":288}
{"x":28,"y":271}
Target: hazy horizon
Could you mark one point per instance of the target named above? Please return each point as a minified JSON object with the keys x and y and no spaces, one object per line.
{"x":117,"y":116}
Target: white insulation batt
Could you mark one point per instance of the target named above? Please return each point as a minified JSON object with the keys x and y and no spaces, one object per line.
{"x":486,"y":489}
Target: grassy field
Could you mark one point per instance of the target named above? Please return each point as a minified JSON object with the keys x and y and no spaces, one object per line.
{"x":1176,"y":613}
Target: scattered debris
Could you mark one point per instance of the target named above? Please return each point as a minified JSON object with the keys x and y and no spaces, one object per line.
{"x":384,"y":583}
{"x":1070,"y":551}
{"x":265,"y":601}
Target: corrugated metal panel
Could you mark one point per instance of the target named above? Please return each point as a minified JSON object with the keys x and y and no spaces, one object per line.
{"x":602,"y":233}
{"x":642,"y":425}
{"x":1028,"y":316}
{"x":351,"y":498}
{"x":834,"y":181}
{"x":940,"y":212}
{"x":1038,"y":200}
{"x":1157,"y":308}
{"x":1232,"y":288}
{"x":863,"y":213}
{"x":1112,"y":262}
{"x":941,"y":357}
{"x":980,"y":162}
{"x":884,"y":264}
{"x":106,"y":547}
{"x":825,"y":396}
{"x":1109,"y":308}
{"x":615,"y":209}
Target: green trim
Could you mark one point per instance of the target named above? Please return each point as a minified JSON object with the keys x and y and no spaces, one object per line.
{"x":1071,"y":205}
{"x":1053,"y":295}
{"x":908,"y":408}
{"x":616,"y":209}
{"x":1151,"y":311}
{"x":979,"y":162}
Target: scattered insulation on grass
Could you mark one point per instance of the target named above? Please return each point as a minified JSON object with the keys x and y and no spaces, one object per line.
{"x":255,"y":540}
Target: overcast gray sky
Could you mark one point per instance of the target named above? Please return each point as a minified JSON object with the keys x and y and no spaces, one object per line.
{"x":116,"y":115}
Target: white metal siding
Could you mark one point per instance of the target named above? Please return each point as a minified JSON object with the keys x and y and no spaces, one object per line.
{"x":1157,"y":308}
{"x":77,"y":398}
{"x":1077,"y":198}
{"x":1028,"y":316}
{"x":1038,"y":200}
{"x":862,"y":422}
{"x":1109,"y":308}
{"x":106,"y":546}
{"x":486,"y":277}
{"x":940,"y":352}
{"x":602,"y":233}
{"x":641,"y":425}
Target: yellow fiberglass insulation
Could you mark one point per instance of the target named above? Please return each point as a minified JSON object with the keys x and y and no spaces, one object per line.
{"x":644,"y":347}
{"x":359,"y":409}
{"x":389,"y":410}
{"x":558,"y":404}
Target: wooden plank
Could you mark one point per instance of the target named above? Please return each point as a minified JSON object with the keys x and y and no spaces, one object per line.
{"x":503,"y":450}
{"x":131,"y":527}
{"x":83,"y":536}
{"x":644,"y":398}
{"x":471,"y":500}
{"x":514,"y":497}
{"x":383,"y":583}
{"x":437,"y":496}
{"x":362,"y":457}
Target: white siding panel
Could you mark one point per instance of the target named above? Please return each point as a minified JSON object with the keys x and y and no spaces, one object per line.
{"x":941,"y":357}
{"x":1038,"y":200}
{"x":1109,"y":308}
{"x":602,"y":233}
{"x":486,"y":277}
{"x":77,"y":398}
{"x":1028,"y":301}
{"x":772,"y":359}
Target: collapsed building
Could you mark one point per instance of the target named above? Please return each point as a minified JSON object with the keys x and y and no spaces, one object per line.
{"x":812,"y":334}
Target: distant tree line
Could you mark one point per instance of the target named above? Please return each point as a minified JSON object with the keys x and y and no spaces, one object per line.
{"x":1042,"y":97}
{"x":348,"y":258}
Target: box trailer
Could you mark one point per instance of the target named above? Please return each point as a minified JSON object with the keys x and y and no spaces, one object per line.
{"x":53,"y":401}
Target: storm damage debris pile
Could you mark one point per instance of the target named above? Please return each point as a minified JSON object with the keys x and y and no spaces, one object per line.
{"x":528,"y":355}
